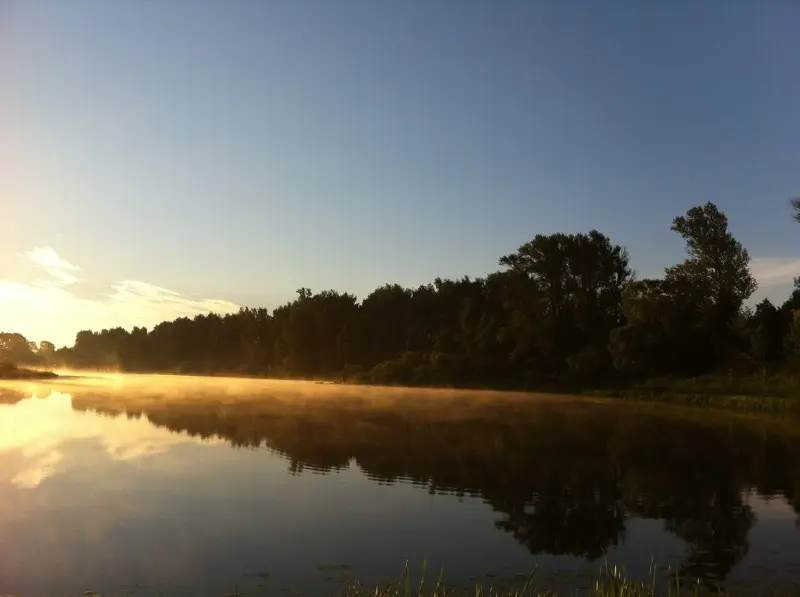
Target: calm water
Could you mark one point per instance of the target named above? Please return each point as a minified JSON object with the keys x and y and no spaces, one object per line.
{"x":195,"y":486}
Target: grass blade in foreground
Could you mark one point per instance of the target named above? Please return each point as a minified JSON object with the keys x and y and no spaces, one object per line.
{"x":610,"y":582}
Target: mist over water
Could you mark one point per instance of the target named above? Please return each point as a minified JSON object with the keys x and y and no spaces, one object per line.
{"x":191,"y":485}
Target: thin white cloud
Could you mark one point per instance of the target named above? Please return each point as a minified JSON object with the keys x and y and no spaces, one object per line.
{"x":50,"y":309}
{"x":58,"y":268}
{"x":50,"y":260}
{"x":148,"y":296}
{"x":771,"y":271}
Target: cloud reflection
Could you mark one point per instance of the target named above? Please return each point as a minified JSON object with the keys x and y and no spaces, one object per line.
{"x":36,"y":430}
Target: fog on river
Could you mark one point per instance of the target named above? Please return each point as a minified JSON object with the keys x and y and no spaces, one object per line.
{"x":163,"y":484}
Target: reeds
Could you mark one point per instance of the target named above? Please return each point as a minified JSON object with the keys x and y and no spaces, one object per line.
{"x":610,"y":582}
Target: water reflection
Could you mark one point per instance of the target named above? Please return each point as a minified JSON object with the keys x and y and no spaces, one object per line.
{"x":37,"y":429}
{"x":564,"y":477}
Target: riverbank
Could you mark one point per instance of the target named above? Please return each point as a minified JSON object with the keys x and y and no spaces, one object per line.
{"x":723,"y":401}
{"x":779,"y":392}
{"x":10,"y":372}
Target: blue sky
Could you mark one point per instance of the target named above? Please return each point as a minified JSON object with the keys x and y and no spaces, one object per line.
{"x":238,"y":150}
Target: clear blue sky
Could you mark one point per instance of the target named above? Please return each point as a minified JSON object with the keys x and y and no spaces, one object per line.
{"x":240,"y":149}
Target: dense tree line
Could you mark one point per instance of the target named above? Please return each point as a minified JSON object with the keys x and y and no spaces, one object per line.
{"x":563,"y":307}
{"x":17,"y":349}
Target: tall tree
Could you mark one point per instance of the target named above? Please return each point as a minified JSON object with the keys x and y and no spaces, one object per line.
{"x":717,"y":262}
{"x":718,"y":265}
{"x":573,"y":301}
{"x":795,"y":203}
{"x":16,"y":348}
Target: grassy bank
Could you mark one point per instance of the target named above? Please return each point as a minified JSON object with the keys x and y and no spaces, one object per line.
{"x":730,"y":402}
{"x":9,"y":371}
{"x":777,"y":394}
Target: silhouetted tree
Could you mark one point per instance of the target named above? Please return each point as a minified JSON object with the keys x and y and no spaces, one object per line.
{"x":573,"y":301}
{"x":795,"y":203}
{"x":16,"y":348}
{"x":718,"y":266}
{"x":564,"y":308}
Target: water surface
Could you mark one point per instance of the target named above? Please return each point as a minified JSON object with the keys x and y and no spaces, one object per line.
{"x":196,"y":486}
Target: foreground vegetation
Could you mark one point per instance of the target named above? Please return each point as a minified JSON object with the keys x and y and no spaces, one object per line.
{"x":609,"y":582}
{"x":564,"y":312}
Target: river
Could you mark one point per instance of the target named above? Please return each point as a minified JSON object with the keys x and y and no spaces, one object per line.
{"x":187,"y":485}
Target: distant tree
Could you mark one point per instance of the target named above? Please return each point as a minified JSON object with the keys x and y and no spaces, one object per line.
{"x":718,"y":263}
{"x":46,"y":348}
{"x":387,"y":322}
{"x":718,"y":266}
{"x":562,"y":307}
{"x":665,"y":331}
{"x":16,"y":348}
{"x":573,"y":301}
{"x":47,"y":352}
{"x":767,"y":332}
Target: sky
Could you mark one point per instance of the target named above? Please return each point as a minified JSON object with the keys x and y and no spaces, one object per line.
{"x":167,"y":158}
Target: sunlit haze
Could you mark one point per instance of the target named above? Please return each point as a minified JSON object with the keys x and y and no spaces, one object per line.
{"x":37,"y":428}
{"x":49,"y":307}
{"x":170,"y":158}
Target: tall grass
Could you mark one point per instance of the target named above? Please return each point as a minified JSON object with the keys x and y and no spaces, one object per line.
{"x":610,"y":582}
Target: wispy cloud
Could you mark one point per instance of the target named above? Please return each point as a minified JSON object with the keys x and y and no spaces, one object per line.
{"x":51,"y":309}
{"x":772,"y":271}
{"x":59,"y":269}
{"x":149,"y":298}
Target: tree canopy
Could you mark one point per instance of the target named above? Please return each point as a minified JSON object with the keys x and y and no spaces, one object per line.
{"x":562,"y":307}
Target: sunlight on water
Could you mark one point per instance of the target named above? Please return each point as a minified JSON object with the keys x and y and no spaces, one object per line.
{"x":37,"y":428}
{"x":188,"y":484}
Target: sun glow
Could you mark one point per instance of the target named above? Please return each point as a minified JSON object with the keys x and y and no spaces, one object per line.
{"x":49,"y":308}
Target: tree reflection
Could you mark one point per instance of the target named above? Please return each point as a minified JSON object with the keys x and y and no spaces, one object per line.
{"x":564,"y":478}
{"x":715,"y":525}
{"x":563,"y":518}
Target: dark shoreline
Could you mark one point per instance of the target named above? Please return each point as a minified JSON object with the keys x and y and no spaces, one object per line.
{"x":13,"y":373}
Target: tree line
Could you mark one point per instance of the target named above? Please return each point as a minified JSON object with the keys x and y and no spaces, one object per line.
{"x":562,"y":307}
